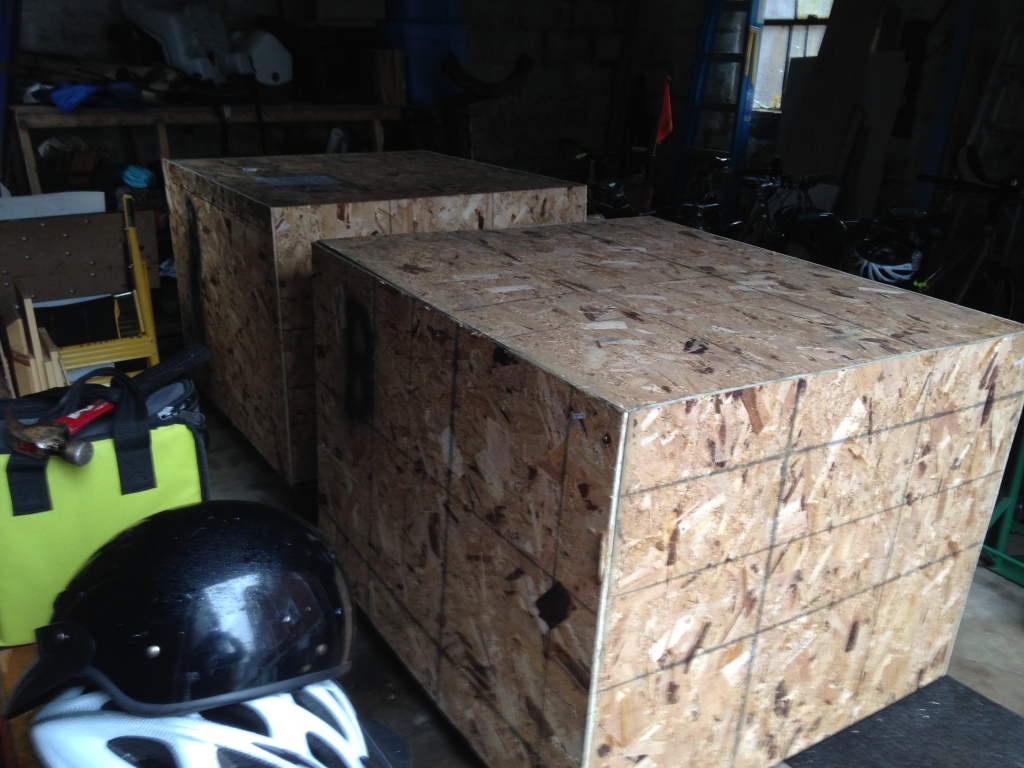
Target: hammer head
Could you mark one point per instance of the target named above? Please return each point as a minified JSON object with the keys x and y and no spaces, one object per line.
{"x":44,"y":439}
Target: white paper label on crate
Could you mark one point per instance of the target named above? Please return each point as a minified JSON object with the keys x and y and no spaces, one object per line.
{"x":510,"y":288}
{"x":605,"y":325}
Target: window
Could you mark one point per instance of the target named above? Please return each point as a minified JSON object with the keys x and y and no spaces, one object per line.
{"x":792,"y":29}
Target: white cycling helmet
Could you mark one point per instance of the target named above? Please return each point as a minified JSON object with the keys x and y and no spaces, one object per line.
{"x":314,"y":727}
{"x":884,"y":263}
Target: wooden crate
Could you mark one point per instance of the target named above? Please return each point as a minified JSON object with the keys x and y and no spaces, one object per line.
{"x":628,"y":494}
{"x":242,"y":230}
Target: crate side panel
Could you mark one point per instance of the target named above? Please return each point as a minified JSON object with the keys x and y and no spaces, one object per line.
{"x":301,"y":434}
{"x":417,"y":648}
{"x":708,"y":434}
{"x":977,"y":373}
{"x":818,"y":570}
{"x":350,"y":554}
{"x":344,"y":430}
{"x":471,"y":710}
{"x":451,"y":213}
{"x":964,"y":444}
{"x":862,"y":400}
{"x":358,"y":219}
{"x":227,"y":282}
{"x":494,"y":625}
{"x":524,"y":208}
{"x":345,"y":492}
{"x":592,"y":451}
{"x":838,"y":483}
{"x":343,"y":300}
{"x":428,"y":399}
{"x":295,"y":230}
{"x":389,"y":350}
{"x":407,"y":534}
{"x":561,"y":731}
{"x":683,"y":528}
{"x":414,"y":353}
{"x":655,"y":628}
{"x":692,"y":707}
{"x":178,"y":224}
{"x":510,"y":436}
{"x":918,"y":616}
{"x":934,"y":527}
{"x":805,"y":679}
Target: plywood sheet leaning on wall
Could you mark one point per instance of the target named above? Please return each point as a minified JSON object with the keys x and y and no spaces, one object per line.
{"x":628,"y":493}
{"x":243,"y":228}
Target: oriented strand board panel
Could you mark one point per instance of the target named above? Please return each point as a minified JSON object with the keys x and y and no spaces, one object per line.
{"x":242,"y":230}
{"x":629,"y":494}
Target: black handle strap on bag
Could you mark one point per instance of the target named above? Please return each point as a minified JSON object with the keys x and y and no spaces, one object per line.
{"x":26,"y":476}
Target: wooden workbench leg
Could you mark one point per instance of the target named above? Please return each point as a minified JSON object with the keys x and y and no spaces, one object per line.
{"x":161,"y":135}
{"x":378,"y":136}
{"x":30,"y":161}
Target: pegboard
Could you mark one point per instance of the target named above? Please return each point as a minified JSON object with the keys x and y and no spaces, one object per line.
{"x":66,"y":257}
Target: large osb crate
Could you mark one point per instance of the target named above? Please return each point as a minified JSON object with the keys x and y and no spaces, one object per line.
{"x":242,"y":229}
{"x":630,"y":494}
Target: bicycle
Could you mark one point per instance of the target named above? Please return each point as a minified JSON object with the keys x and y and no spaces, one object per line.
{"x":703,"y":209}
{"x":608,"y":196}
{"x":784,"y":218}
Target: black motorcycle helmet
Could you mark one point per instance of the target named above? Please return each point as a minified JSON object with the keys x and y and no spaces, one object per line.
{"x":197,"y":607}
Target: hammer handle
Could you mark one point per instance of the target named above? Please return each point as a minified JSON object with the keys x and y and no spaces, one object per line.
{"x":148,"y":382}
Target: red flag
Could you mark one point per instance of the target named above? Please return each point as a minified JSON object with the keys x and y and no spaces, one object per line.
{"x":665,"y":121}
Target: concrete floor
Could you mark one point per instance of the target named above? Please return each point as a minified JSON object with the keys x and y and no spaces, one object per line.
{"x":988,"y":655}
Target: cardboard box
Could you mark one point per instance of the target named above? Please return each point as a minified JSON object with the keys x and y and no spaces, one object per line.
{"x":242,"y":231}
{"x":625,"y":489}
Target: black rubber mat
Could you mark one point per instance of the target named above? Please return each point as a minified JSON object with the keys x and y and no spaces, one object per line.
{"x":943,"y":725}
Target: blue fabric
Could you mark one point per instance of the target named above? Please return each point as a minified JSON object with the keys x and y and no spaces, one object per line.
{"x":137,"y":176}
{"x":67,"y":96}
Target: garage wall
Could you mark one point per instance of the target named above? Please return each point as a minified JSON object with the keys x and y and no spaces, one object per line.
{"x":591,"y":57}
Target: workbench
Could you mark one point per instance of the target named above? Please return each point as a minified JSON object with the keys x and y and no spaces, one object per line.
{"x":628,"y":493}
{"x":33,"y":117}
{"x":243,"y":229}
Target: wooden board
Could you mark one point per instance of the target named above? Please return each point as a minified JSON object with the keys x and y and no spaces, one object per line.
{"x":62,"y":257}
{"x":40,"y":360}
{"x":622,"y":492}
{"x":243,"y":257}
{"x":52,"y":354}
{"x":24,"y":366}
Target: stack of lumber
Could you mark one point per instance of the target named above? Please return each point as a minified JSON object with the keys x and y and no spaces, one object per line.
{"x":31,"y":362}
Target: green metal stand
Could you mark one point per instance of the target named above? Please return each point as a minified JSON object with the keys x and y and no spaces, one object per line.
{"x":1002,"y":524}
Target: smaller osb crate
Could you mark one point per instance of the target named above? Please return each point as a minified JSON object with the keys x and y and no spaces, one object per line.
{"x":242,"y":229}
{"x":628,"y":494}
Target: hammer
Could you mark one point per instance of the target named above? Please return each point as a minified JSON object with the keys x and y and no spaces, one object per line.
{"x":54,"y":437}
{"x":45,"y":438}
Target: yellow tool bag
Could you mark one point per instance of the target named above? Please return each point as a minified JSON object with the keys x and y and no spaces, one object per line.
{"x":148,"y":453}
